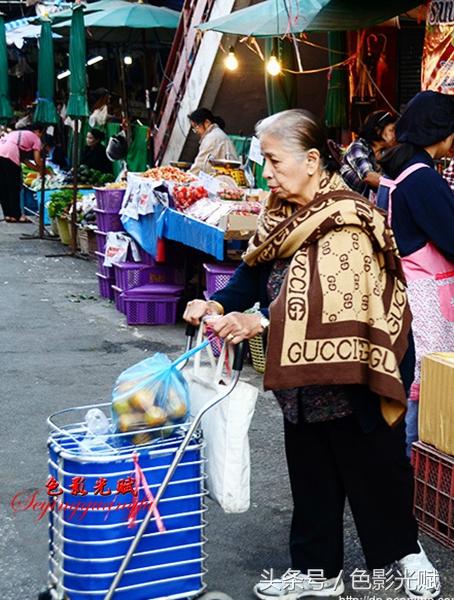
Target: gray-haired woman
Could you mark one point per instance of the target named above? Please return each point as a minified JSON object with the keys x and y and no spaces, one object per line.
{"x":325,"y":263}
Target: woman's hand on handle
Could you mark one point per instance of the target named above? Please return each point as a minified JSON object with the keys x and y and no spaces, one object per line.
{"x":236,"y":327}
{"x":197,"y":309}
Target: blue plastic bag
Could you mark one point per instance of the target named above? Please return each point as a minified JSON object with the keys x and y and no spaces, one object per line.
{"x":152,"y":393}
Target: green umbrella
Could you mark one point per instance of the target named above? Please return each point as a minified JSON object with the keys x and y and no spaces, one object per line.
{"x":337,"y":98}
{"x":45,"y":110}
{"x":63,"y":15}
{"x":280,"y":17}
{"x":119,"y":22}
{"x":6,"y":112}
{"x":77,"y":104}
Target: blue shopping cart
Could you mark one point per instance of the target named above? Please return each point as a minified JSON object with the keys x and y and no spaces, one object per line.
{"x":95,"y":551}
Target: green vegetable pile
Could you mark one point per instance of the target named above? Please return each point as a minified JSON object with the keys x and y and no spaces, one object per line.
{"x":87,"y":176}
{"x":60,"y":202}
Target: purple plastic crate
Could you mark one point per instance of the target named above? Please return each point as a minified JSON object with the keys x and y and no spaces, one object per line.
{"x":152,"y":304}
{"x":105,"y":286}
{"x":131,"y":275}
{"x":155,"y":289}
{"x":109,"y":201}
{"x":217,"y":276}
{"x":107,"y":221}
{"x":101,"y":238}
{"x":156,"y":311}
{"x":119,"y":299}
{"x":106,"y":271}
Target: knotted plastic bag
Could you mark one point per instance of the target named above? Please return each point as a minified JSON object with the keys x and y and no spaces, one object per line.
{"x":151,"y":394}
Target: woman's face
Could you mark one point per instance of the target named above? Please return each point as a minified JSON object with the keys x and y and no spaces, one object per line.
{"x":389,"y":135}
{"x":91,"y":140}
{"x":200,"y":128}
{"x":289,"y":175}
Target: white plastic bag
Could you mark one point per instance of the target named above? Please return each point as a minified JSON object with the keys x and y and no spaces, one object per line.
{"x":116,"y":250}
{"x":225,"y":429}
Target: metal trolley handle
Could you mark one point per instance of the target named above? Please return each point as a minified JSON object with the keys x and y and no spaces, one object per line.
{"x":236,"y":372}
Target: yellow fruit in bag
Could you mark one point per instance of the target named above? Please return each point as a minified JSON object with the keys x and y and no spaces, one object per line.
{"x":142,"y":400}
{"x":130,"y":421}
{"x":155,"y":417}
{"x":176,"y":407}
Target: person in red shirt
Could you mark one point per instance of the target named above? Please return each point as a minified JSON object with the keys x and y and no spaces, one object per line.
{"x":11,"y":147}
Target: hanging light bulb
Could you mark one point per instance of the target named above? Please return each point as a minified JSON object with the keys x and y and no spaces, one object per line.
{"x":273,"y":66}
{"x":231,"y":61}
{"x":127,"y":60}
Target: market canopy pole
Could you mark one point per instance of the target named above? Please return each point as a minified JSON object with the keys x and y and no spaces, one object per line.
{"x":77,"y":104}
{"x":6,"y":112}
{"x":45,"y":111}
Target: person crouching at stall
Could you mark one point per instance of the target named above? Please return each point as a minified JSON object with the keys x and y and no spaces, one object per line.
{"x":14,"y":148}
{"x":339,"y":361}
{"x":94,"y":155}
{"x":214,"y":142}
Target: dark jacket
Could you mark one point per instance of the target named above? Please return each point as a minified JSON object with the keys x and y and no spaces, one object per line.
{"x":95,"y":158}
{"x":422,"y":209}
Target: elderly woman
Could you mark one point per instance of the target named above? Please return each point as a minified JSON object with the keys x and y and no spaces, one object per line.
{"x":325,"y":262}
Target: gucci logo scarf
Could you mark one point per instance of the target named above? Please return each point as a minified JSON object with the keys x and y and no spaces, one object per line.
{"x":342,"y":315}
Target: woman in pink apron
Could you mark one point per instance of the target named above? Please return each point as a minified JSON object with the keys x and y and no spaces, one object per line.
{"x":420,"y":207}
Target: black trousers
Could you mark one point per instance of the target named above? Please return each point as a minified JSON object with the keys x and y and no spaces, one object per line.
{"x":10,"y":188}
{"x":331,"y":461}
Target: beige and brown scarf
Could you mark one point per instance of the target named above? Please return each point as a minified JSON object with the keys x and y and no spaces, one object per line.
{"x":342,"y":315}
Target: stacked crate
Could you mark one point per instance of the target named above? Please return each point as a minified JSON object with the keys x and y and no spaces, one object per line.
{"x":433,"y":455}
{"x":131,"y":275}
{"x":146,"y":292}
{"x":107,"y":219}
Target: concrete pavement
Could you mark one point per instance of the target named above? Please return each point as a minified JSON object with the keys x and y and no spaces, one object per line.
{"x":62,"y":346}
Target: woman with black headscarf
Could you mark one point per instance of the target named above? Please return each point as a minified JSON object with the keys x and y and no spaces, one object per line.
{"x":94,"y":155}
{"x":420,"y":207}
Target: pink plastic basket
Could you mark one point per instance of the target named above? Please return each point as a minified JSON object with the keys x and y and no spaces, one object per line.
{"x":105,"y":286}
{"x":119,"y":299}
{"x":106,"y":221}
{"x":152,"y":304}
{"x":109,"y":201}
{"x":106,"y":271}
{"x":217,"y":276}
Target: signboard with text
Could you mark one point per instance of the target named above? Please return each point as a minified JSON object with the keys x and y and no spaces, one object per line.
{"x":438,"y":57}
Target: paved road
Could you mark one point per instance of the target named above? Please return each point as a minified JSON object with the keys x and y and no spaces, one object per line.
{"x":62,"y":346}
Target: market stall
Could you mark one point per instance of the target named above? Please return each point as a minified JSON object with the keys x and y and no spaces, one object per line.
{"x":202,"y":213}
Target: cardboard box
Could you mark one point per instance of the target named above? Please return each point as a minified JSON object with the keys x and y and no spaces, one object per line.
{"x":436,"y":409}
{"x":238,"y":225}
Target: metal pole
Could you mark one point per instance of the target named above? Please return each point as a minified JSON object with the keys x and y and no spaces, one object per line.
{"x":75,"y":182}
{"x":41,"y":197}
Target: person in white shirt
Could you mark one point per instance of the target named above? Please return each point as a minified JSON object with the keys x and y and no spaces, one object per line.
{"x":214,"y":142}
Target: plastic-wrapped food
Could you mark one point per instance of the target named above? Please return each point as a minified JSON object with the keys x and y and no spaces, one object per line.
{"x":153,"y":393}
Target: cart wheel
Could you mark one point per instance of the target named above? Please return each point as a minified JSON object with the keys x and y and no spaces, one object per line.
{"x":215,"y":596}
{"x":45,"y":595}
